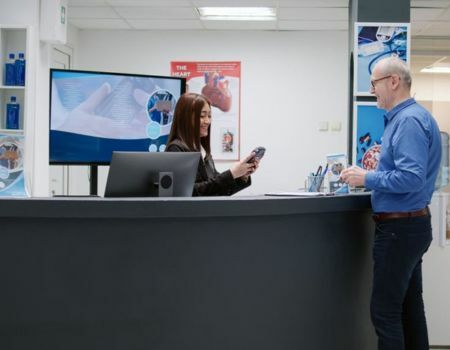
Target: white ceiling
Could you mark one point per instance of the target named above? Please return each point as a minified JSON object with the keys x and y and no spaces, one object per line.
{"x":182,"y":14}
{"x":430,"y":19}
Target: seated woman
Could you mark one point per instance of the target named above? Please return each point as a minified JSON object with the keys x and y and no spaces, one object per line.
{"x":191,"y":133}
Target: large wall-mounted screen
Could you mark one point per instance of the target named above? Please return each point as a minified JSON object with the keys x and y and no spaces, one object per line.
{"x":93,"y":114}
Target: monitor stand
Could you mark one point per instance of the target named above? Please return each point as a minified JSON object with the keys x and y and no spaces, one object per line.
{"x":93,"y":180}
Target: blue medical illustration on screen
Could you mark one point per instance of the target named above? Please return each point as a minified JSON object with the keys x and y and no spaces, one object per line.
{"x":95,"y":113}
{"x":160,"y":107}
{"x":374,"y":44}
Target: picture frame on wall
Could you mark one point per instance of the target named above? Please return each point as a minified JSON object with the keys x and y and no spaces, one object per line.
{"x":12,"y":175}
{"x":220,"y":82}
{"x":368,"y":129}
{"x":373,"y":42}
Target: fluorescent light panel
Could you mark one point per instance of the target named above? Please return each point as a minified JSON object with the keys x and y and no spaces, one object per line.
{"x":435,"y":70}
{"x":237,"y":13}
{"x":440,"y":66}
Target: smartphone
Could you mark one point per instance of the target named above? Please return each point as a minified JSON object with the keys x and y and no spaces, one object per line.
{"x":259,"y":153}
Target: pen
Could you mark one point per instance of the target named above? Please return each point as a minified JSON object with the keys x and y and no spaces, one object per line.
{"x":313,"y":186}
{"x":322,"y":176}
{"x":319,"y":169}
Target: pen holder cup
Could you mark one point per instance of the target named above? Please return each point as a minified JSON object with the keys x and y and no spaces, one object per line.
{"x":315,"y":183}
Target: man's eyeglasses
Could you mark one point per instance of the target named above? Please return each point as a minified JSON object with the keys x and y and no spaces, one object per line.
{"x":372,"y":82}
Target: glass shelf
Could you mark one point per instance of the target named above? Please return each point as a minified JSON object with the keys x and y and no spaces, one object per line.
{"x":11,"y":131}
{"x":12,"y":87}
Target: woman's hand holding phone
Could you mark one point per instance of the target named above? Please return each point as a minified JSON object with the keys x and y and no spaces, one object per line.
{"x":248,"y":165}
{"x":257,"y":154}
{"x":243,"y":167}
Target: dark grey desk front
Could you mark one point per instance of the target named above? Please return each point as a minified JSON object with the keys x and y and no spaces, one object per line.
{"x":203,"y":273}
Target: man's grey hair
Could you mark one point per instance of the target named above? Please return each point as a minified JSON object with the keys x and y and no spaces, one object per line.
{"x":395,"y":65}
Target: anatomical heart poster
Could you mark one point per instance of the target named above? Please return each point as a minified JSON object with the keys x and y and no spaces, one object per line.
{"x":220,"y":82}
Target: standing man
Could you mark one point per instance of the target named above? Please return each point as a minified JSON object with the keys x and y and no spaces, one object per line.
{"x":402,"y":187}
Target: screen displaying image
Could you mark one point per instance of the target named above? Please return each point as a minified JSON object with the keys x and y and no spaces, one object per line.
{"x":93,"y":114}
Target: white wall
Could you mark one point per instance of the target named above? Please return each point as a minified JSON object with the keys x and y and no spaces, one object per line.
{"x":432,"y":87}
{"x":290,"y":82}
{"x":72,"y":40}
{"x":436,"y":263}
{"x":19,"y":12}
{"x":436,"y":88}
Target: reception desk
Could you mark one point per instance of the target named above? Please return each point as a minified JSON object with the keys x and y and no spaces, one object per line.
{"x":216,"y":273}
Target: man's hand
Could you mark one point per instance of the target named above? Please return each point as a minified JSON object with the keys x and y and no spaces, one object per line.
{"x":354,"y":176}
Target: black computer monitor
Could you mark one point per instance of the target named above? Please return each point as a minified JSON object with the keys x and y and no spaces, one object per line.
{"x":152,"y":174}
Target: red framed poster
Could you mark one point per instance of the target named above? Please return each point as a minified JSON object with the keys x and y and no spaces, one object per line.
{"x":220,"y":82}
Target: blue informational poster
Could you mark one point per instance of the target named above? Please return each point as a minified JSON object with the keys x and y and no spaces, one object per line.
{"x":12,"y":183}
{"x":368,"y":128}
{"x":373,"y":42}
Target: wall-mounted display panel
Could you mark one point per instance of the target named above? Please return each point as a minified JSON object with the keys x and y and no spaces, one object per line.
{"x":93,"y":114}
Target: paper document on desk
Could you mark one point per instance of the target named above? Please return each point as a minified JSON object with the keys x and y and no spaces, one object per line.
{"x":299,"y":194}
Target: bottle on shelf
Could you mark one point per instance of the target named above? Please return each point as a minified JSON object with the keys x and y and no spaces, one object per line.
{"x":12,"y":114}
{"x":10,"y":70}
{"x":20,"y":69}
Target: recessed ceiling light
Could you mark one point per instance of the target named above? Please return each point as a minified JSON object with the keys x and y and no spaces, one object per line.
{"x":435,"y":70}
{"x":237,"y":13}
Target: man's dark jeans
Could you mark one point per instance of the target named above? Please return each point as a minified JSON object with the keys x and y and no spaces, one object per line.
{"x":397,"y":308}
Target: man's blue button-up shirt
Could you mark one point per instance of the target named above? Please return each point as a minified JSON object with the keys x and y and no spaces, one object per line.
{"x":409,"y":160}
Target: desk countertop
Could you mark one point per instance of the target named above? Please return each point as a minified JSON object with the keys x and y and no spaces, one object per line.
{"x":97,"y":207}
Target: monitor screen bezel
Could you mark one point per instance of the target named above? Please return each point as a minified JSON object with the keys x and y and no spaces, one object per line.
{"x":52,"y":70}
